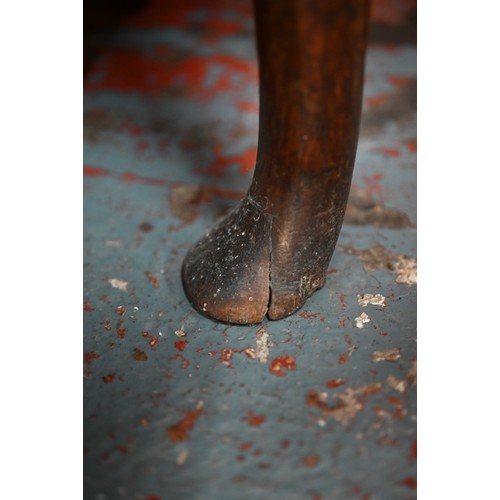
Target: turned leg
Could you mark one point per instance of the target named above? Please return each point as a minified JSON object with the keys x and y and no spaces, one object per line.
{"x":272,"y":252}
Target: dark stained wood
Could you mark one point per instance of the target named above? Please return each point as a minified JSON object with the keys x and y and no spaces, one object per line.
{"x":273,"y":251}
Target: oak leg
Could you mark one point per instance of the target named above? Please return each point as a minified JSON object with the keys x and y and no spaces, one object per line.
{"x":272,"y":252}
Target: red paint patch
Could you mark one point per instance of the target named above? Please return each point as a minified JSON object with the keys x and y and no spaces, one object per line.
{"x":225,"y":356}
{"x":94,"y":171}
{"x":413,"y":453}
{"x":311,"y":460}
{"x":334,"y":383}
{"x":412,"y":146}
{"x":410,"y":482}
{"x":130,"y":177}
{"x":120,"y":310}
{"x":180,"y":430}
{"x":392,"y":152}
{"x":372,"y":183}
{"x":247,"y":106}
{"x":245,"y":161}
{"x":254,"y":420}
{"x":87,"y":307}
{"x":307,"y":315}
{"x":399,"y":81}
{"x":281,"y":363}
{"x":185,"y":362}
{"x":180,"y":345}
{"x":387,"y":441}
{"x":376,"y":100}
{"x":153,"y":341}
{"x":165,"y":68}
{"x":89,"y":356}
{"x":120,"y":330}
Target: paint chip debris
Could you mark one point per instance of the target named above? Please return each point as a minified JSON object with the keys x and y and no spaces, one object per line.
{"x":262,"y":345}
{"x":282,"y":363}
{"x":368,"y":298}
{"x":406,"y":270}
{"x":180,"y":333}
{"x":377,"y":257}
{"x":120,"y":284}
{"x":361,"y":320}
{"x":182,"y":457}
{"x":389,"y":355}
{"x":397,"y":384}
{"x":347,"y":405}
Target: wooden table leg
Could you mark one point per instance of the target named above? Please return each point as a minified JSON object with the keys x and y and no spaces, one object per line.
{"x":272,"y":252}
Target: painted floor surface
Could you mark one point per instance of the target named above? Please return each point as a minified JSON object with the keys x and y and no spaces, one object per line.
{"x":319,"y":405}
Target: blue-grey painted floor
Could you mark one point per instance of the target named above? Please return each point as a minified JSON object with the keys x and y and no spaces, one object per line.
{"x":320,"y":405}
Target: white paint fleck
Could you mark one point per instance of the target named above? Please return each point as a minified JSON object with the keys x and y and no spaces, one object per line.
{"x":180,"y":333}
{"x":120,"y":284}
{"x":389,"y":355}
{"x":361,"y":320}
{"x":182,"y":457}
{"x":368,"y":298}
{"x":262,"y":345}
{"x":406,"y":270}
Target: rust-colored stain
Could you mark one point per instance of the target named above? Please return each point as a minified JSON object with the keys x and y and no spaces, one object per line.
{"x":387,"y":441}
{"x":153,"y":279}
{"x":107,"y":379}
{"x":120,"y":310}
{"x":254,"y":420}
{"x":89,"y":356}
{"x":282,"y":363}
{"x":185,"y":362}
{"x":139,"y":355}
{"x":245,"y":446}
{"x":308,"y":315}
{"x":311,"y":460}
{"x":410,"y":482}
{"x":120,"y":330}
{"x":413,"y":453}
{"x":87,"y":307}
{"x":180,"y":430}
{"x":146,"y":227}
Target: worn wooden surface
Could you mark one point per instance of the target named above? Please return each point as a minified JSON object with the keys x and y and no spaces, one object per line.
{"x":272,"y":257}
